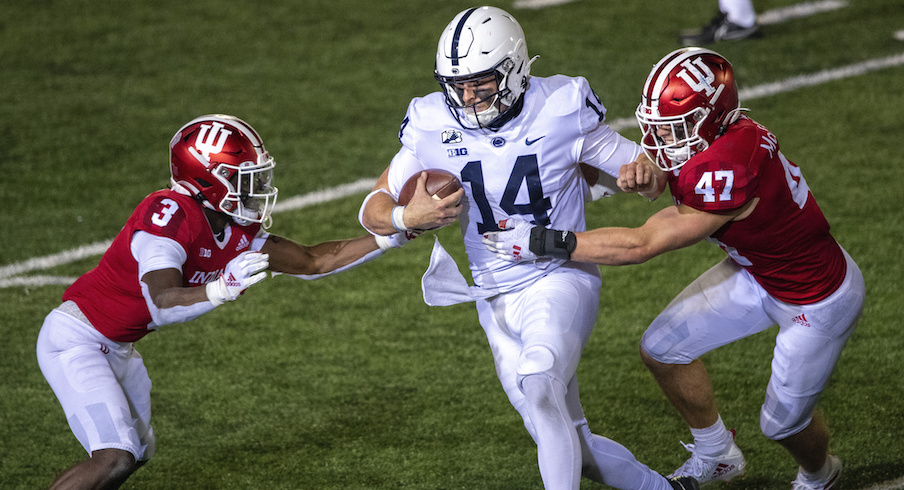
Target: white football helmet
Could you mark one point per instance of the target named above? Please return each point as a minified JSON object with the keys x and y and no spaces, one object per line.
{"x":481,"y":42}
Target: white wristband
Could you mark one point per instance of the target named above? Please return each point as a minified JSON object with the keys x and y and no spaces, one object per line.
{"x":385,"y":242}
{"x":397,"y":222}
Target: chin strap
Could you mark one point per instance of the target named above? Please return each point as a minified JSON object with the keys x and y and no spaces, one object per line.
{"x":507,"y":115}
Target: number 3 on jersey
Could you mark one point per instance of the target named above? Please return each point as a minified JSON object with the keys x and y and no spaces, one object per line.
{"x":525,"y":172}
{"x":168,"y":208}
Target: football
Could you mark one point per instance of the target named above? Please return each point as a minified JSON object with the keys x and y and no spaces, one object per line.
{"x":440,"y":184}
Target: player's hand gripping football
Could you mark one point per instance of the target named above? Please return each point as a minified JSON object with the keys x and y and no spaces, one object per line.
{"x":430,"y":208}
{"x":242,"y":272}
{"x":513,"y":242}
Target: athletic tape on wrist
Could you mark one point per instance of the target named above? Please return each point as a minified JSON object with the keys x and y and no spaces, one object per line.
{"x":385,"y":242}
{"x":214,"y":295}
{"x":397,"y":222}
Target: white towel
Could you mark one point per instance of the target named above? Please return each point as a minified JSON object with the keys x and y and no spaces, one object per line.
{"x":443,"y":284}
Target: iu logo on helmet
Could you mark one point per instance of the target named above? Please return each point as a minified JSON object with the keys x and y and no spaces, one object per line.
{"x":211,"y":139}
{"x":698,"y":76}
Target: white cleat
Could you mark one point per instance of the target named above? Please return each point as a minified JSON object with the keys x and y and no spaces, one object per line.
{"x":829,"y":483}
{"x":706,"y":469}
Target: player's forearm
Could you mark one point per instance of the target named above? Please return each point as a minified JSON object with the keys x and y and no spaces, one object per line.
{"x":611,"y":246}
{"x":669,"y":229}
{"x":289,"y":257}
{"x":163,"y":288}
{"x":168,"y":302}
{"x":377,"y":215}
{"x":331,"y":256}
{"x":180,"y":296}
{"x":182,"y":310}
{"x":660,"y":179}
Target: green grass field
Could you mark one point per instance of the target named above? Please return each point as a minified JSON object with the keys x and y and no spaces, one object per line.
{"x":351,"y":381}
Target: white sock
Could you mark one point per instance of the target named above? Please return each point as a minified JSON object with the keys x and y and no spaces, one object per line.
{"x":713,"y":440}
{"x":739,"y":12}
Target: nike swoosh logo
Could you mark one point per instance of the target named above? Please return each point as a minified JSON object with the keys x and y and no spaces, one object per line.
{"x":528,"y":141}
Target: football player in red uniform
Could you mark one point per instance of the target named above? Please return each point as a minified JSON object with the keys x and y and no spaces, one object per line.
{"x":184,"y":251}
{"x":732,"y":186}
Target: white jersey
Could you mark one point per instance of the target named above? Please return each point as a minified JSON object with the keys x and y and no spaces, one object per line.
{"x":529,"y":168}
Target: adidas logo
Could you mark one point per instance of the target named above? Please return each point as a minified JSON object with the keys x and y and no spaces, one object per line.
{"x":232,"y":282}
{"x":723,"y":469}
{"x":243,"y":244}
{"x":801,"y":320}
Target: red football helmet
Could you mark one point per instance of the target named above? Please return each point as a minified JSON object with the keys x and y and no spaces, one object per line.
{"x":220,"y":160}
{"x":688,"y":101}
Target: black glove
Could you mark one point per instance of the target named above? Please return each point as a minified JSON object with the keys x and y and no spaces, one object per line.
{"x":558,"y":244}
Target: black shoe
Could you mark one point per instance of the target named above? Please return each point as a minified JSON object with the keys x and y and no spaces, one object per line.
{"x":719,"y":29}
{"x":684,"y":483}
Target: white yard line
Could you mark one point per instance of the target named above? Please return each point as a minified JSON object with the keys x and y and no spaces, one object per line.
{"x":797,"y":11}
{"x":48,"y":261}
{"x":768,"y":17}
{"x":889,"y":485}
{"x":9,"y":272}
{"x":794,"y":83}
{"x":538,"y":4}
{"x":323,"y":196}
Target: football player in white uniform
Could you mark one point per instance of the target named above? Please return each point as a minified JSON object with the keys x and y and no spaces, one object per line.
{"x":516,"y":143}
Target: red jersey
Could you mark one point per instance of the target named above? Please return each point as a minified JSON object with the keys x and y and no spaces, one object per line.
{"x":110,"y":295}
{"x":785,"y":242}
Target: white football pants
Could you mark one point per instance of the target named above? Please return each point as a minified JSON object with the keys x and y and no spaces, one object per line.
{"x":536,"y":336}
{"x":726,"y":304}
{"x":102,"y":385}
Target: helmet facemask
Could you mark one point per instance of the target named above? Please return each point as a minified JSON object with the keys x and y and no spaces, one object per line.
{"x":671,"y":141}
{"x":251,"y":195}
{"x":480,"y":99}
